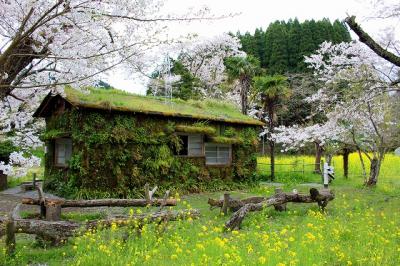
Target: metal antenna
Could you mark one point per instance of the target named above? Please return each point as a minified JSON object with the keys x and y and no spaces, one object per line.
{"x":167,"y":77}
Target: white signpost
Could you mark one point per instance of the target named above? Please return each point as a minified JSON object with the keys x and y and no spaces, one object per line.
{"x":397,"y":151}
{"x":329,"y":174}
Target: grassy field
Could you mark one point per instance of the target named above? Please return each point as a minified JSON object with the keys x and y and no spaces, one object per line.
{"x":360,"y":227}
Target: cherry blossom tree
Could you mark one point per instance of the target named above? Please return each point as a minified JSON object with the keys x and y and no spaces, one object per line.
{"x":356,"y":102}
{"x":45,"y":45}
{"x":204,"y":59}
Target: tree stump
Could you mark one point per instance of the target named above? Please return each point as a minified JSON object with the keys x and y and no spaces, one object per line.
{"x":10,"y":236}
{"x":279,"y":207}
{"x":53,"y":210}
{"x":225,"y":204}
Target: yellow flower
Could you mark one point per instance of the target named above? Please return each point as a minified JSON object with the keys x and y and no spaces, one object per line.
{"x":174,"y":257}
{"x":262,"y":260}
{"x":249,"y":249}
{"x":310,"y":236}
{"x":200,"y":246}
{"x":291,"y":239}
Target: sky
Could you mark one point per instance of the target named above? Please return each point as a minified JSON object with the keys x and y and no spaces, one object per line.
{"x":254,"y":14}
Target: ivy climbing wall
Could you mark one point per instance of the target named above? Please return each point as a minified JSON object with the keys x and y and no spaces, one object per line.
{"x":115,"y":154}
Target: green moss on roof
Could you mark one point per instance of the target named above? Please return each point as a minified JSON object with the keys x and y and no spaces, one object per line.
{"x":196,"y":129}
{"x":124,"y":101}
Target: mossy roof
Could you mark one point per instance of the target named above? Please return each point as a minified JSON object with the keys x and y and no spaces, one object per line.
{"x":117,"y":100}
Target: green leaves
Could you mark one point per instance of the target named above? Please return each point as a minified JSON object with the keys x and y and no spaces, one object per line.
{"x":272,"y":87}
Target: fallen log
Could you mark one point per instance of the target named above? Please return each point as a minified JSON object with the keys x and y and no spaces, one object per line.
{"x":234,"y":204}
{"x":60,"y":230}
{"x":321,"y":197}
{"x":107,"y":202}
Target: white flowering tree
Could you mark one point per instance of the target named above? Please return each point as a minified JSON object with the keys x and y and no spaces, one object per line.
{"x":48,"y":44}
{"x":203,"y":58}
{"x":356,"y":101}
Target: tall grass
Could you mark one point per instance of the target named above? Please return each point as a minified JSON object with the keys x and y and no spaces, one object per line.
{"x":390,"y":171}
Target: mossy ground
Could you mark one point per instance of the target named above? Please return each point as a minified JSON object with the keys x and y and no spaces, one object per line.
{"x":361,"y":227}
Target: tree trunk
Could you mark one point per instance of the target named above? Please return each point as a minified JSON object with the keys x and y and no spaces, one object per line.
{"x":245,"y":85}
{"x":3,"y":181}
{"x":374,"y":172}
{"x":106,"y":202}
{"x":346,"y":153}
{"x":12,"y":63}
{"x":270,"y":105}
{"x":318,"y":156}
{"x":272,"y":156}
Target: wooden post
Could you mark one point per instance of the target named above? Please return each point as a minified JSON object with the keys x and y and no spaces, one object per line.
{"x":279,"y":207}
{"x":147,"y":193}
{"x":225,"y":204}
{"x":10,"y":236}
{"x":10,"y":230}
{"x":53,"y":210}
{"x":42,"y":200}
{"x":164,"y":202}
{"x":34,"y":180}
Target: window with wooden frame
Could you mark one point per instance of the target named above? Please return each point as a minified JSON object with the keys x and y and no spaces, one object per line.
{"x":191,"y":145}
{"x":62,"y":151}
{"x":218,"y":154}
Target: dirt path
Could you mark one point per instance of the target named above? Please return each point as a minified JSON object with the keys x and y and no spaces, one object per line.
{"x":9,"y":198}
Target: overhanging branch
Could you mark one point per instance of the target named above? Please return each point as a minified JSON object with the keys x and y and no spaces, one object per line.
{"x":371,"y":43}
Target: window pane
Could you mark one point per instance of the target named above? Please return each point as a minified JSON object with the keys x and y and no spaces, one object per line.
{"x":63,"y":151}
{"x":217,"y":153}
{"x":195,"y":146}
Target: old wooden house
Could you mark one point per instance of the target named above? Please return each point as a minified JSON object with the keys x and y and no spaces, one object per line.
{"x":112,"y":141}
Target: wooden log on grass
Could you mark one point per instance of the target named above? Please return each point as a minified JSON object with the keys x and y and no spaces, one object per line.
{"x":59,"y":230}
{"x":321,"y":197}
{"x":106,"y":202}
{"x":234,"y":204}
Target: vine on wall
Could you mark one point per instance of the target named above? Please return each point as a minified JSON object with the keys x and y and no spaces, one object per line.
{"x":114,"y":155}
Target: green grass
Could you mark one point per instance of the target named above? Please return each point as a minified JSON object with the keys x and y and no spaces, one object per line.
{"x":293,"y":173}
{"x":123,"y":101}
{"x":361,"y":227}
{"x":16,"y":181}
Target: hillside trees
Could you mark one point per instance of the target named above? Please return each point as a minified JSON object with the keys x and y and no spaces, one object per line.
{"x":282,"y":46}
